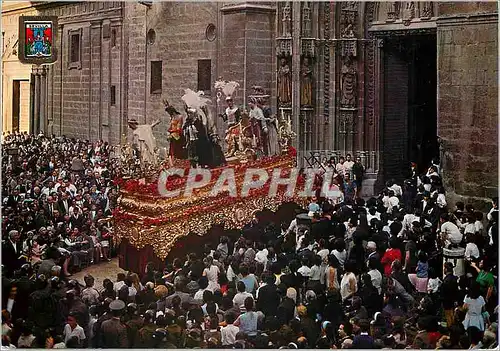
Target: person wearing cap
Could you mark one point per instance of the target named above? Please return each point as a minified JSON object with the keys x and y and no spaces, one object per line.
{"x":113,"y":332}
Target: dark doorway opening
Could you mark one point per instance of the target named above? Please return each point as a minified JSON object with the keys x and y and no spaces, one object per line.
{"x":409,"y":104}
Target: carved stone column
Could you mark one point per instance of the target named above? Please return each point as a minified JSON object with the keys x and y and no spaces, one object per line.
{"x":247,"y":21}
{"x":308,"y":78}
{"x":296,"y":79}
{"x":43,"y":99}
{"x":284,"y":70}
{"x":348,"y":110}
{"x":327,"y":143}
{"x":38,"y":100}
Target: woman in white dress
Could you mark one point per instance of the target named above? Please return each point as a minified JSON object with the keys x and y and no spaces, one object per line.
{"x":474,"y":305}
{"x":211,"y":271}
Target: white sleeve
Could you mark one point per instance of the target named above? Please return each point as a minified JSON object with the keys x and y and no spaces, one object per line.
{"x":489,"y":216}
{"x":468,"y":251}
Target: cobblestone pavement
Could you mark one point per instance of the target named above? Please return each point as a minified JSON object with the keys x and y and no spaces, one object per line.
{"x":99,"y":271}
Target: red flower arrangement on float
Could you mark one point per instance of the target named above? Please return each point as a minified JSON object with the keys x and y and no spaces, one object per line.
{"x":134,"y":186}
{"x":207,"y":204}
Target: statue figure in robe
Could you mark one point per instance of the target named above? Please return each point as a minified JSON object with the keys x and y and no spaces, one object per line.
{"x":306,"y":83}
{"x":200,"y":132}
{"x":145,"y":141}
{"x":284,"y":83}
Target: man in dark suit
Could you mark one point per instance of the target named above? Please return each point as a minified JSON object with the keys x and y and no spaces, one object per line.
{"x":64,"y":204}
{"x":76,"y":218}
{"x":363,"y":340}
{"x":11,"y":250}
{"x":268,"y":299}
{"x":13,"y":200}
{"x":51,"y":207}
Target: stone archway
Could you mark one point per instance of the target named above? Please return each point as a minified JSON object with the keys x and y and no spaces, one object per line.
{"x":383,"y":23}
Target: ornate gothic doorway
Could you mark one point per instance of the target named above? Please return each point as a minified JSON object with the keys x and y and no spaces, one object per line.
{"x":400,"y":85}
{"x":409,"y":118}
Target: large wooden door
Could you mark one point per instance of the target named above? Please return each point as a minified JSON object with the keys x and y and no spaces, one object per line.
{"x":24,"y":106}
{"x":20,"y":105}
{"x":16,"y":107}
{"x":395,"y":113}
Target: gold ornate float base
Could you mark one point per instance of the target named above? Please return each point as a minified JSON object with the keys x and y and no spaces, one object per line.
{"x":145,"y":218}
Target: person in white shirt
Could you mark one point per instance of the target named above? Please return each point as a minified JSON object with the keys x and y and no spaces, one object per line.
{"x":120,"y":281}
{"x":478,"y":224}
{"x":239,"y":298}
{"x":322,"y":251}
{"x":393,"y":201}
{"x":431,"y":172}
{"x":470,"y":227}
{"x":434,"y":282}
{"x":316,"y":272}
{"x":211,"y":271}
{"x":449,"y":232}
{"x":340,"y":167}
{"x":304,"y":271}
{"x":228,"y":333}
{"x":348,"y":164}
{"x":339,"y":251}
{"x":372,"y":213}
{"x":261,"y":256}
{"x":441,"y":198}
{"x":494,"y":202}
{"x":471,"y":250}
{"x":398,"y":191}
{"x":203,"y":284}
{"x":72,"y":329}
{"x":375,"y":274}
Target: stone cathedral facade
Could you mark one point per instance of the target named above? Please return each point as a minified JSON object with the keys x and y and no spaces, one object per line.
{"x":390,"y":82}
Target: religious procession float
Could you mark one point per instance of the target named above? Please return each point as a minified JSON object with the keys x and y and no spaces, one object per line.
{"x":198,"y":192}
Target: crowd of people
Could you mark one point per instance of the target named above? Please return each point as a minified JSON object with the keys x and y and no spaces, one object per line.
{"x":57,"y":198}
{"x":349,"y":274}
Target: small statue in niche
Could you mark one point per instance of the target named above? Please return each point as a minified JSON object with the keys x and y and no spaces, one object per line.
{"x":306,"y":20}
{"x":391,"y":11}
{"x":284,"y":82}
{"x":306,"y":83}
{"x":348,"y":84}
{"x":287,"y":20}
{"x":427,"y":10}
{"x":408,"y":13}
